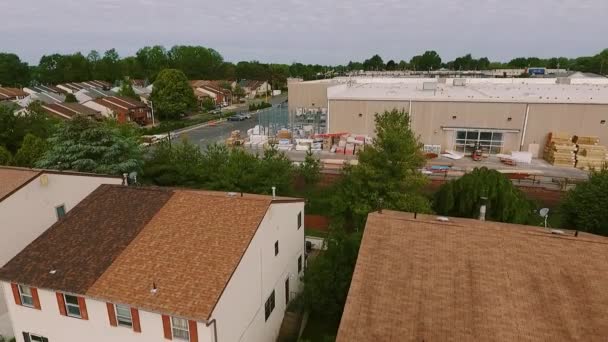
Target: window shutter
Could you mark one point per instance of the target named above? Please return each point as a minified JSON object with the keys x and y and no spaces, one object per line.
{"x":193,"y":331}
{"x":61,"y":303}
{"x":26,"y":337}
{"x":15,"y":288}
{"x":135,"y":319}
{"x":167,"y":327}
{"x":111,"y":314}
{"x":83,"y":308}
{"x":35,"y":298}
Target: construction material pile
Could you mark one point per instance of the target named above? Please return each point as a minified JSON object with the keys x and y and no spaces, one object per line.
{"x":235,"y":139}
{"x":560,"y":151}
{"x":590,"y":154}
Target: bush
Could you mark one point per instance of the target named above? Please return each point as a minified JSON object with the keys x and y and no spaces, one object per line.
{"x":586,"y":206}
{"x":258,"y":106}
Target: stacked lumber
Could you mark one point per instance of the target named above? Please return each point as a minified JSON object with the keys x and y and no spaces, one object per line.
{"x":591,"y":156}
{"x":586,"y":140}
{"x":560,"y":151}
{"x":235,"y":139}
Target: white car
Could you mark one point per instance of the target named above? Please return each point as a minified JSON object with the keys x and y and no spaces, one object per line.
{"x":246,"y":115}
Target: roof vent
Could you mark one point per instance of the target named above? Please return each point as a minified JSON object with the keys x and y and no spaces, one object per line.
{"x":232,"y":194}
{"x":429,"y":86}
{"x":557,"y":232}
{"x":443,"y":219}
{"x":459,"y":82}
{"x":53,"y":271}
{"x":154,"y":288}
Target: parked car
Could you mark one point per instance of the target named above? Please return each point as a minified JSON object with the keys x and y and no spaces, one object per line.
{"x":246,"y":115}
{"x":237,"y":117}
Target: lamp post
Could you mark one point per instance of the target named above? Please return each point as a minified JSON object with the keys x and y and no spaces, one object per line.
{"x":152,"y":107}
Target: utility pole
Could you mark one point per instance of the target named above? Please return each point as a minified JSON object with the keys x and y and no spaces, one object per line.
{"x":152,"y":107}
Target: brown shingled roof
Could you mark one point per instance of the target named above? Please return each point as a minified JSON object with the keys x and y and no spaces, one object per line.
{"x":12,"y":179}
{"x":467,"y":280}
{"x":69,"y":110}
{"x":82,"y":245}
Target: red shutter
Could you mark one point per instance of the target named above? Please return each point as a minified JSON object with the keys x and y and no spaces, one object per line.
{"x":111,"y":314}
{"x":61,"y":303}
{"x":135,"y":318}
{"x":193,"y":331}
{"x":83,"y":308}
{"x":35,"y":298}
{"x":167,"y":327}
{"x":16,"y":295}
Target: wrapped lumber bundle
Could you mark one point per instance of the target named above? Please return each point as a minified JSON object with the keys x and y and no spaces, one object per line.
{"x":235,"y":139}
{"x":560,"y":151}
{"x":591,"y":156}
{"x":586,"y":140}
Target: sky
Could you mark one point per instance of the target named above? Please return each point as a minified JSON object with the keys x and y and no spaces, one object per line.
{"x":309,"y":31}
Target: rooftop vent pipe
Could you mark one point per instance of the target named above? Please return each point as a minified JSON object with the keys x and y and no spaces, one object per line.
{"x":482,"y":209}
{"x":274,"y":192}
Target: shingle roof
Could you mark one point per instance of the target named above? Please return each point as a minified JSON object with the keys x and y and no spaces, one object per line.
{"x":82,"y":245}
{"x":467,"y":280}
{"x":69,"y":110}
{"x":12,"y":179}
{"x":120,"y":240}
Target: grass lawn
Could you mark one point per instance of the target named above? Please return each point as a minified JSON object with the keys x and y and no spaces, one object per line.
{"x":320,"y":330}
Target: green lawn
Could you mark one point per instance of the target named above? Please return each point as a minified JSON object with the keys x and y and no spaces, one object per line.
{"x":320,"y":330}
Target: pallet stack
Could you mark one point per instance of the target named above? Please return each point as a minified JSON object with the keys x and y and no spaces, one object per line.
{"x":235,"y":139}
{"x":560,"y":151}
{"x":590,"y":154}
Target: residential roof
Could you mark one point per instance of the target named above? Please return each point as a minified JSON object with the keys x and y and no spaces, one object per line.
{"x":11,"y":93}
{"x":12,"y":179}
{"x":186,"y":242}
{"x":120,"y":103}
{"x":474,"y":91}
{"x":69,"y":110}
{"x":420,"y":279}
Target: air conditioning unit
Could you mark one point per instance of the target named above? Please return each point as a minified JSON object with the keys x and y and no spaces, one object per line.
{"x":429,"y":86}
{"x":460,"y":82}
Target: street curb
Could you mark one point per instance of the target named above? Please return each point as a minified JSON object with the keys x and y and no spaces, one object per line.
{"x":191,"y":128}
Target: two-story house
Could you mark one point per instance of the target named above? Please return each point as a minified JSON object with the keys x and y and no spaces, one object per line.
{"x":30,"y":202}
{"x":158,"y":264}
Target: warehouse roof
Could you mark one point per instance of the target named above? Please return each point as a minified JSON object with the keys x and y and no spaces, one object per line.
{"x":420,"y":279}
{"x":126,"y":239}
{"x":475,"y":92}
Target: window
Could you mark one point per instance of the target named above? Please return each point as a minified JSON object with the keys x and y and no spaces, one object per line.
{"x":71,"y":306}
{"x":299,"y":220}
{"x":27,"y":337}
{"x":490,"y":141}
{"x":180,"y":328}
{"x":60,"y":211}
{"x":123,"y":316}
{"x":299,"y":264}
{"x":27,"y":299}
{"x":276,"y":248}
{"x":269,"y":306}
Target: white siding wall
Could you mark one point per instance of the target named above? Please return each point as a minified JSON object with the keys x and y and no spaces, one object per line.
{"x":259,"y":272}
{"x":105,"y":111}
{"x":49,"y":323}
{"x":31,"y":210}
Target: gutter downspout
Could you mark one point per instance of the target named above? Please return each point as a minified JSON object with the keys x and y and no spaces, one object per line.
{"x":523,"y":133}
{"x":214,"y":329}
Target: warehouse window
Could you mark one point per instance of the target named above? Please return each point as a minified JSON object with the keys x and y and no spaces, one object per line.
{"x":491,"y":142}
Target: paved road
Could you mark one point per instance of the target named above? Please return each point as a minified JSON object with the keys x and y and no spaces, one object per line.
{"x":209,"y":135}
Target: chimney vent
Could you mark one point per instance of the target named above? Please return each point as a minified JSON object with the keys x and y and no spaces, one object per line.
{"x":274,"y":192}
{"x":154,"y":288}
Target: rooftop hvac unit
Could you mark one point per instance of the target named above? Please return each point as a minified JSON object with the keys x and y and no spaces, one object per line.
{"x":460,"y":82}
{"x":563,"y":80}
{"x":429,"y":86}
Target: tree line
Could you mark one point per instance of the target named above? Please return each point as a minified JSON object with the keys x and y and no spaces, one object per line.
{"x":198,"y":62}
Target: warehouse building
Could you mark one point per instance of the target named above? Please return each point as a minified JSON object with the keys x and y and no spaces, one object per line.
{"x":502,"y":115}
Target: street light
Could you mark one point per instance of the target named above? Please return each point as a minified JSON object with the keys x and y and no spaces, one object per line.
{"x":152,"y":107}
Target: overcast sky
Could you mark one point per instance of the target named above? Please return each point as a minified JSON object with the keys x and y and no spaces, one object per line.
{"x":309,"y":31}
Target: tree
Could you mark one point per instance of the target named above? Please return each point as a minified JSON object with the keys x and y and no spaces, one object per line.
{"x":387,"y":174}
{"x":390,"y":65}
{"x":13,"y":72}
{"x":126,"y":89}
{"x":310,"y":170}
{"x":403,"y":65}
{"x":152,"y":60}
{"x":327,"y":280}
{"x":429,"y":60}
{"x":70,"y":98}
{"x":208,"y":104}
{"x":31,"y":150}
{"x":584,"y":207}
{"x":85,"y":145}
{"x":463,"y":197}
{"x":5,"y":156}
{"x":238,"y":92}
{"x":374,"y":63}
{"x":172,"y":95}
{"x":196,"y":62}
{"x":14,"y":128}
{"x":175,"y":165}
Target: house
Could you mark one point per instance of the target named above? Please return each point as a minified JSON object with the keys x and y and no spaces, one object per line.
{"x":43,"y":89}
{"x":47,"y":98}
{"x":427,"y":278}
{"x":11,"y":94}
{"x":213,"y":89}
{"x":157,"y":264}
{"x":88,"y":94}
{"x":123,"y":109}
{"x":30,"y":202}
{"x":73,"y":87}
{"x":254,"y":88}
{"x":67,"y":111}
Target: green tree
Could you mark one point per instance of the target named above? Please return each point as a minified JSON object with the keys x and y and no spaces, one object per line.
{"x":374,"y":63}
{"x":463,"y":197}
{"x":175,"y":165}
{"x":328,"y":277}
{"x":32,"y":149}
{"x":126,"y":89}
{"x":172,"y":95}
{"x":152,"y":60}
{"x":310,"y":170}
{"x":196,"y":62}
{"x":70,"y":98}
{"x":584,"y":207}
{"x":5,"y":156}
{"x":13,"y":72}
{"x":14,"y":128}
{"x":429,"y":60}
{"x":85,"y":145}
{"x":238,"y":92}
{"x":390,"y":65}
{"x":403,"y":65}
{"x":387,"y":174}
{"x":208,"y":104}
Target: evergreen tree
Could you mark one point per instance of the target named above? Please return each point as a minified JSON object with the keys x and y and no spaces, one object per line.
{"x":463,"y":197}
{"x":586,"y":206}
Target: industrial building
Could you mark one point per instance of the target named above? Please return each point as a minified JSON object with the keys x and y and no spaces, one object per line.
{"x":502,"y":115}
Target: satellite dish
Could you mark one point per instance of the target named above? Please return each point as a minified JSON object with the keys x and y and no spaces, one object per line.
{"x":544,"y":212}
